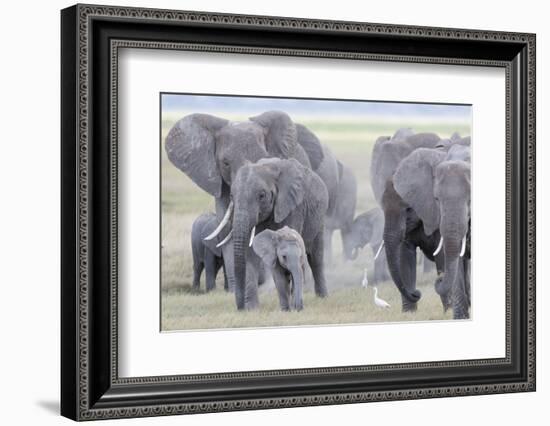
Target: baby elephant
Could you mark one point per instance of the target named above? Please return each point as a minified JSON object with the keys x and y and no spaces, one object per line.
{"x":284,"y":253}
{"x":205,"y":253}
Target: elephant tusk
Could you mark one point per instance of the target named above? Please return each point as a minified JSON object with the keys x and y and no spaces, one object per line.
{"x":226,"y":239}
{"x":252,"y":234}
{"x":222,"y":223}
{"x":438,"y":249}
{"x":463,"y":248}
{"x":379,"y":250}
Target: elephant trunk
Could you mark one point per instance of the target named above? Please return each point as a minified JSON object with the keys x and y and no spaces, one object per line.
{"x":392,"y":244}
{"x":451,"y":247}
{"x":351,"y":249}
{"x":453,"y":230}
{"x":241,"y":234}
{"x":297,"y":273}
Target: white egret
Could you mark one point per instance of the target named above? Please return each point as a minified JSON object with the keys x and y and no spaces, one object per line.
{"x":381,"y":303}
{"x":365,"y":281}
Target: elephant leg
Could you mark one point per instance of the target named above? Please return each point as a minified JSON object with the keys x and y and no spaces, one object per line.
{"x":219,"y":265}
{"x":460,"y":301}
{"x":211,"y":270}
{"x":281,"y":284}
{"x":328,"y":245}
{"x":315,"y":259}
{"x":408,"y":272}
{"x":229,"y":265}
{"x":198,"y":266}
{"x":262,"y":274}
{"x":251,"y":285}
{"x":467,"y":281}
{"x":225,"y":281}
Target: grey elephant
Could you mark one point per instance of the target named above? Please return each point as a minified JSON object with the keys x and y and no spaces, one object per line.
{"x":388,"y":152}
{"x":435,"y":183}
{"x":342,"y":214}
{"x":206,"y":255}
{"x":368,"y":229}
{"x":270,"y":194}
{"x":400,"y":225}
{"x":284,"y":254}
{"x":211,"y":150}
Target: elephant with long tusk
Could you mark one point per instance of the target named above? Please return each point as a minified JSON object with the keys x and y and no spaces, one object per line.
{"x":435,"y":185}
{"x":272,"y":194}
{"x":387,"y":154}
{"x":210,"y":150}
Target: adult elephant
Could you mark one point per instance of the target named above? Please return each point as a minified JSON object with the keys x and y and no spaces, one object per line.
{"x":387,"y":154}
{"x":403,"y":234}
{"x":210,"y":150}
{"x":271,"y":194}
{"x":342,"y":214}
{"x":435,"y":183}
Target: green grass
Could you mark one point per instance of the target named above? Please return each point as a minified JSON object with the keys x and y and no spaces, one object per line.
{"x":351,"y":141}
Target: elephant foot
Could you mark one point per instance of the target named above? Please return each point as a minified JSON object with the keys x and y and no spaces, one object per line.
{"x":321,"y":292}
{"x":252,"y":303}
{"x":460,"y":315}
{"x":298,"y":306}
{"x":409,"y":307}
{"x":252,"y":306}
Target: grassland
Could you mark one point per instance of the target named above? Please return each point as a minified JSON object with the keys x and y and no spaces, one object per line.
{"x":351,"y":140}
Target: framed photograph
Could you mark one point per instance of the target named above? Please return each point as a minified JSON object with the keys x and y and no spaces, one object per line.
{"x":263,"y":212}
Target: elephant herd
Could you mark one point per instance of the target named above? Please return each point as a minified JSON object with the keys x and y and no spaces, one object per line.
{"x":280,"y":194}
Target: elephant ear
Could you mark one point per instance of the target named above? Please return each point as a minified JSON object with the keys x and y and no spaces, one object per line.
{"x":414,"y":182}
{"x":376,"y":216}
{"x":384,"y":161}
{"x":340,"y":170}
{"x":190,"y":146}
{"x":362,"y":226}
{"x":290,"y":188}
{"x":311,"y":145}
{"x":265,"y":246}
{"x":280,"y":133}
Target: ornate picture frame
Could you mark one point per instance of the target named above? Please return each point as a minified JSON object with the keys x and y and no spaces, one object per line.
{"x":91,"y":37}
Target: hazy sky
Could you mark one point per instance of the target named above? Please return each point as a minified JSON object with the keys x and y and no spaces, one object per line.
{"x":253,"y":105}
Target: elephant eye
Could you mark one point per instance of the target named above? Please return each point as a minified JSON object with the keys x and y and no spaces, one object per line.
{"x":226,"y":163}
{"x":261,"y":195}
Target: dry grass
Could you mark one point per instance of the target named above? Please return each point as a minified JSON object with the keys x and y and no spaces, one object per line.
{"x":183,"y":201}
{"x":185,"y":309}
